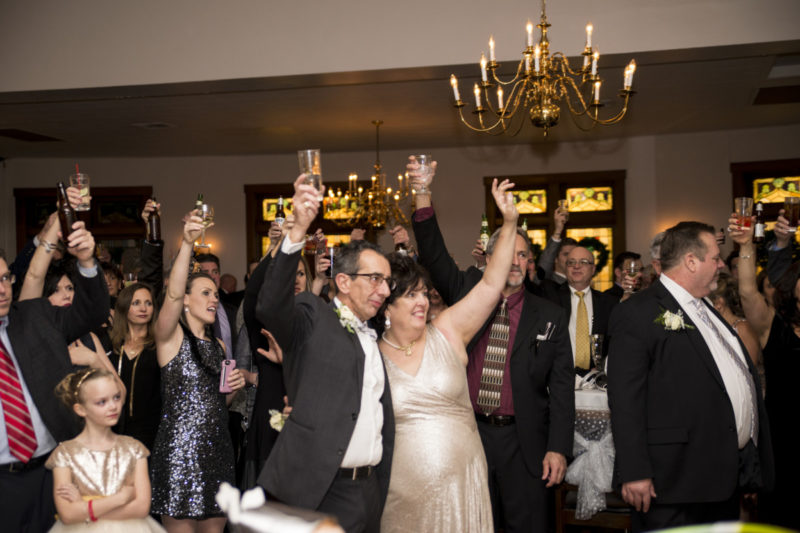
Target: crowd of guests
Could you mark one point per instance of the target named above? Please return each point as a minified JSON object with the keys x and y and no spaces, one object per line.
{"x":412,"y":395}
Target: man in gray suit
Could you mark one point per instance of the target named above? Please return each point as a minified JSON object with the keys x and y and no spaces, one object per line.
{"x":334,"y":453}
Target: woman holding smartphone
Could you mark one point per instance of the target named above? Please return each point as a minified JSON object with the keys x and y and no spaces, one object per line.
{"x":193,"y":453}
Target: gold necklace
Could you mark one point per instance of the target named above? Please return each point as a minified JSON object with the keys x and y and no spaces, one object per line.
{"x":407,"y":349}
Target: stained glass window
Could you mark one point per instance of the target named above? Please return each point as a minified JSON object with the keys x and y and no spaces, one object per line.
{"x":338,"y":206}
{"x":538,"y":236}
{"x":603,"y":279}
{"x":774,"y":190}
{"x":270,"y":205}
{"x":590,"y":199}
{"x":530,"y":201}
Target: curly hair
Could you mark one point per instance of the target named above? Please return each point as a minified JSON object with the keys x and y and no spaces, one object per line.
{"x":407,"y":275}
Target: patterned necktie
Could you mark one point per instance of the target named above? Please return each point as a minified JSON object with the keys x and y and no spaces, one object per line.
{"x":19,"y":428}
{"x":494,"y":362}
{"x":751,"y":386}
{"x":582,"y":351}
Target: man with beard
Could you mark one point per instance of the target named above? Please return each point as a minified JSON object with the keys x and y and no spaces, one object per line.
{"x":690,"y":429}
{"x":520,"y":378}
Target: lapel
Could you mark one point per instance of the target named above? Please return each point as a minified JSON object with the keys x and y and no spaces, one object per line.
{"x":527,"y":320}
{"x":358,"y":351}
{"x":669,"y":303}
{"x":564,"y":297}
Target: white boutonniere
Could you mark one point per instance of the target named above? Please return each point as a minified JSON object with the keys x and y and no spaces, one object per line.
{"x":672,"y":321}
{"x":277,"y":419}
{"x":347,"y":319}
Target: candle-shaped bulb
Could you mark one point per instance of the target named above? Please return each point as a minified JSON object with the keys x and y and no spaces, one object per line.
{"x":500,"y":98}
{"x":595,"y":57}
{"x":477,"y":91}
{"x":529,"y":29}
{"x":537,"y":55}
{"x":483,"y":67}
{"x":589,"y":29}
{"x":454,"y":84}
{"x":597,"y":92}
{"x":492,"y":57}
{"x":629,"y":70}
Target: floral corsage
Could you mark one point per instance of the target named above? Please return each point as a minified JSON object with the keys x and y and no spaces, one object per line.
{"x":277,"y":419}
{"x":346,"y":318}
{"x":672,"y":321}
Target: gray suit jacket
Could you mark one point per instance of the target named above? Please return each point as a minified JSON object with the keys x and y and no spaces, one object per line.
{"x":324,"y":375}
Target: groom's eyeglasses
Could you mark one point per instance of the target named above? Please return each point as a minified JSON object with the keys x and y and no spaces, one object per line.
{"x":376,"y":279}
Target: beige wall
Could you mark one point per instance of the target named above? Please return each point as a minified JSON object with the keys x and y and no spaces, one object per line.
{"x":53,"y":44}
{"x":669,"y":178}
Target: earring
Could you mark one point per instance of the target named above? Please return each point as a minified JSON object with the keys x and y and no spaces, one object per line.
{"x":387,"y":322}
{"x":186,"y":309}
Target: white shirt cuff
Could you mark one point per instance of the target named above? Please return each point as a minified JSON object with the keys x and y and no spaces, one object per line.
{"x":288,"y":247}
{"x":88,"y":272}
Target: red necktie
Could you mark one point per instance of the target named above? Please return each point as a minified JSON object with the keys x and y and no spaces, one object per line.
{"x":19,"y":428}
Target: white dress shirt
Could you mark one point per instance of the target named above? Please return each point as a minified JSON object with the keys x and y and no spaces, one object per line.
{"x":573,"y":314}
{"x":735,"y":383}
{"x":366,"y":442}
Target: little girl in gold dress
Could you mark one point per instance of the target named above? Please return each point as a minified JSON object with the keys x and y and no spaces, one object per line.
{"x":100,"y":479}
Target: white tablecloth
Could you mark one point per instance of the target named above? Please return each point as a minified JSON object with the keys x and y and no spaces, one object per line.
{"x":592,"y":468}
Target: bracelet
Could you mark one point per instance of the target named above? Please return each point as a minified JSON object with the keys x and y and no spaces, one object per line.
{"x":48,"y":246}
{"x":92,"y":517}
{"x":748,"y":256}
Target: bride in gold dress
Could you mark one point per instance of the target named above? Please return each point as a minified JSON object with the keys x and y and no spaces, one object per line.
{"x":439,"y":478}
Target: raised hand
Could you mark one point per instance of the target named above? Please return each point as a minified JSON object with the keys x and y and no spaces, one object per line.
{"x":274,"y":353}
{"x":782,"y":233}
{"x":306,"y":207}
{"x":80,"y":243}
{"x":357,"y":234}
{"x":560,"y":218}
{"x":193,"y":227}
{"x":74,"y":197}
{"x":740,"y":235}
{"x":479,"y":254}
{"x":417,"y":179}
{"x":399,"y":235}
{"x":505,"y":200}
{"x":149,"y":207}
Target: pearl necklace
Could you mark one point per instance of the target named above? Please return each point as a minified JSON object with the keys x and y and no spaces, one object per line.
{"x":407,"y":349}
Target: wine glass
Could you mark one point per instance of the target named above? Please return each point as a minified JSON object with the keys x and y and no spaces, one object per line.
{"x":424,"y":172}
{"x":631,"y":269}
{"x":207,"y":214}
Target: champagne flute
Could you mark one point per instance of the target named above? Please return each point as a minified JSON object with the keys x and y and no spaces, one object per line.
{"x":631,"y":269}
{"x":207,"y":214}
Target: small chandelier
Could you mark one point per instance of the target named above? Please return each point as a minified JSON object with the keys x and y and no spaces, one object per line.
{"x":374,"y":205}
{"x":540,"y":84}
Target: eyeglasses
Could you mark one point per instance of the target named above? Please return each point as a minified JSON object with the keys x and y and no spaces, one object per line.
{"x":376,"y":279}
{"x":580,"y":263}
{"x":8,"y":277}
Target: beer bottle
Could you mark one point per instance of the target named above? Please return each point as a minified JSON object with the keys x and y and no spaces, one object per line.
{"x":280,"y":214}
{"x":66,"y":214}
{"x":154,"y":225}
{"x":484,"y":231}
{"x":401,"y":248}
{"x":758,"y":230}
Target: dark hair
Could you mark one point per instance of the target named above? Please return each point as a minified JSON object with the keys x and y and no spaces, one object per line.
{"x":784,"y":299}
{"x":496,"y":235}
{"x":309,"y":273}
{"x":681,"y":239}
{"x":655,"y":246}
{"x":762,"y":276}
{"x":207,"y":366}
{"x":54,"y":275}
{"x":621,"y":257}
{"x":728,"y":290}
{"x":68,"y":389}
{"x":729,"y":260}
{"x":112,"y":269}
{"x":119,"y":329}
{"x":205,"y":258}
{"x":566,"y":241}
{"x":348,"y":256}
{"x":407,"y":274}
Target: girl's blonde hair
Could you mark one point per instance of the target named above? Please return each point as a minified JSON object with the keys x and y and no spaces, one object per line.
{"x":69,"y":389}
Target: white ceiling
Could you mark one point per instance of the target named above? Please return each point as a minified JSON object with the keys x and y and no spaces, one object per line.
{"x":677,"y":91}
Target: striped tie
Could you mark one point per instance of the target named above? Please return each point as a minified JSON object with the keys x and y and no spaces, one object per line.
{"x":19,"y":428}
{"x":494,"y":362}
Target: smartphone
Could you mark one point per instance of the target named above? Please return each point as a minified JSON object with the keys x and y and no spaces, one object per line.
{"x":227,"y":367}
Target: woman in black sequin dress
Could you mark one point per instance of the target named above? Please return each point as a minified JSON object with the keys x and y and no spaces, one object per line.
{"x":193,"y":453}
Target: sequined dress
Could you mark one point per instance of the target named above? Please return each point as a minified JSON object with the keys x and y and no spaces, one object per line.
{"x":100,"y":473}
{"x":439,"y":480}
{"x":193,"y":453}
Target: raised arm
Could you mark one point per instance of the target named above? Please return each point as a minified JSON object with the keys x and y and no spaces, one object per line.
{"x":465,"y":318}
{"x":756,"y":310}
{"x":550,"y":252}
{"x":33,"y":285}
{"x":166,"y":331}
{"x":152,"y":258}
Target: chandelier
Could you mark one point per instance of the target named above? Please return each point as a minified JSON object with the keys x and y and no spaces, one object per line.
{"x":374,"y":205}
{"x":541,"y":83}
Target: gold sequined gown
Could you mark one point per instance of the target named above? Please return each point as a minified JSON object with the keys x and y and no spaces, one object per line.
{"x":102,"y":473}
{"x":439,"y":481}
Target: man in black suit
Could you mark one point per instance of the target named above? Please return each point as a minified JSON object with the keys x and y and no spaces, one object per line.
{"x":597,"y":306}
{"x":334,"y":453}
{"x":33,"y":338}
{"x":622,"y":279}
{"x":526,"y":439}
{"x":689,"y":424}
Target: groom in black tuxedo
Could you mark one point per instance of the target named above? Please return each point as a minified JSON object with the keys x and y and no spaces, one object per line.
{"x":690,"y":429}
{"x":334,"y":453}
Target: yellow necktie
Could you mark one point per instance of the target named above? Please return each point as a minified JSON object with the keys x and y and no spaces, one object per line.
{"x":582,"y":353}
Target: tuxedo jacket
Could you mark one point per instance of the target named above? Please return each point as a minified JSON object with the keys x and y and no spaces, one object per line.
{"x":616,"y":292}
{"x":671,"y":416}
{"x":542,"y":373}
{"x":324,"y":373}
{"x":39,"y":334}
